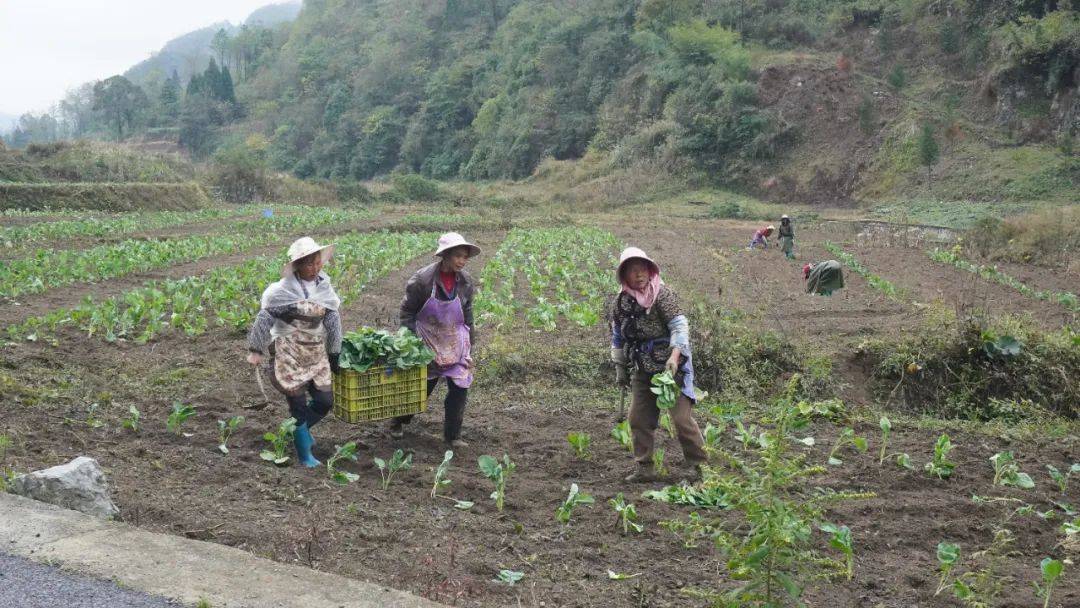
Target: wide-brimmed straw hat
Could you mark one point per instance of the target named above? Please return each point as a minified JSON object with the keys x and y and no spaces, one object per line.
{"x":451,"y":240}
{"x":303,"y":247}
{"x":633,"y":253}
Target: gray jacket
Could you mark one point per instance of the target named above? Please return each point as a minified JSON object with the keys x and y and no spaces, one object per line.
{"x":418,"y":290}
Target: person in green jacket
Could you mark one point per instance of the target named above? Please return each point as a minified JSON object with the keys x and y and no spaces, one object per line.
{"x":823,"y":278}
{"x":786,"y":237}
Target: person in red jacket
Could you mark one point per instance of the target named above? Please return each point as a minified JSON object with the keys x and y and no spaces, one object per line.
{"x":761,"y":237}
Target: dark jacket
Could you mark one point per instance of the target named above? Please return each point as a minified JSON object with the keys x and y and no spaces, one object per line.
{"x":418,"y":290}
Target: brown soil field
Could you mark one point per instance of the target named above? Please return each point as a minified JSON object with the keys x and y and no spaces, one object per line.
{"x":402,"y":538}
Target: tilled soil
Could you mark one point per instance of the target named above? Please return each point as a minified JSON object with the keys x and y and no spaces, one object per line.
{"x":404,"y":538}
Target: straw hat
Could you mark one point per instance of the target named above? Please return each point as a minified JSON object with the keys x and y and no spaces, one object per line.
{"x":452,"y":239}
{"x":303,"y":247}
{"x":633,"y":253}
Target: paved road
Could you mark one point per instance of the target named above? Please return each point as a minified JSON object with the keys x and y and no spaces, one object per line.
{"x":25,"y":584}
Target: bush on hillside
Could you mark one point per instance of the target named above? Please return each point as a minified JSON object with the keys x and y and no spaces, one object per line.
{"x":979,"y":369}
{"x":1048,"y":235}
{"x":410,"y":187}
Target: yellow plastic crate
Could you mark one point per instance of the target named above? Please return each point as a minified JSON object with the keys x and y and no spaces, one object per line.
{"x":377,"y":395}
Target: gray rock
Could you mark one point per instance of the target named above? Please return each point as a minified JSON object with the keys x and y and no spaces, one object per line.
{"x":79,"y":485}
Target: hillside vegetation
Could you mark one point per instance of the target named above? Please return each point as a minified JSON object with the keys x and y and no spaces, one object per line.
{"x":819,"y":101}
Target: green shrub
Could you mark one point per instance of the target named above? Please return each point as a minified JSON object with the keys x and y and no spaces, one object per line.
{"x":726,"y":210}
{"x":414,"y":187}
{"x":979,"y":369}
{"x":897,"y":77}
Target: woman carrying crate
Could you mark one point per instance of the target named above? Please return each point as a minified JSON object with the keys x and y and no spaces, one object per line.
{"x":650,"y":334}
{"x":298,"y":324}
{"x":438,"y":307}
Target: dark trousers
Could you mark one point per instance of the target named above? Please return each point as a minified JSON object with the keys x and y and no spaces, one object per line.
{"x":453,"y":405}
{"x":311,"y":411}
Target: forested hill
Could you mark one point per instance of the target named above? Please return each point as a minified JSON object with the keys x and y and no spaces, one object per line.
{"x":809,"y":99}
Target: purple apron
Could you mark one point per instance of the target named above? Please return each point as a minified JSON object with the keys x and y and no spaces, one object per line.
{"x":441,"y":325}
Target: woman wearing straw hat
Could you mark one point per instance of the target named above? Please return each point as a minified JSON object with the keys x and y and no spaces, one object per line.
{"x":298,"y":324}
{"x":438,"y":307}
{"x":650,"y":334}
{"x":786,"y":237}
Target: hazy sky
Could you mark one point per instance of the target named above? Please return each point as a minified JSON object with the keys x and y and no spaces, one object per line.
{"x":49,"y":46}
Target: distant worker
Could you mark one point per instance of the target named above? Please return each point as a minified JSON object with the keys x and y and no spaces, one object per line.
{"x":823,"y":278}
{"x":786,"y":237}
{"x":761,"y":237}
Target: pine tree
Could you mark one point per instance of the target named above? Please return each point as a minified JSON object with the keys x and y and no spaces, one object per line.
{"x":228,"y":93}
{"x":928,"y":149}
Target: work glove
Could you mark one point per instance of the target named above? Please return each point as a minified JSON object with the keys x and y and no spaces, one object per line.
{"x":622,"y":373}
{"x":335,"y":366}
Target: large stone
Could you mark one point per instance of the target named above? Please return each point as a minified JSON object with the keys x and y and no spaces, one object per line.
{"x":79,"y":485}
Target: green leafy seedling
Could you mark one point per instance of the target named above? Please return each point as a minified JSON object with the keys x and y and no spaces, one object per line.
{"x":398,"y":462}
{"x":178,"y":416}
{"x":226,"y":428}
{"x":342,"y":452}
{"x":665,"y":389}
{"x":132,"y":421}
{"x":948,"y":554}
{"x":712,"y":435}
{"x":580,"y":442}
{"x":1051,"y":572}
{"x":658,"y":462}
{"x":904,"y":461}
{"x":747,"y":435}
{"x":886,"y":428}
{"x":5,"y":444}
{"x":941,"y":466}
{"x":279,"y":442}
{"x":1007,"y":473}
{"x":499,"y":473}
{"x":840,"y":539}
{"x":508,"y":577}
{"x":441,"y":480}
{"x":1062,"y":479}
{"x":847,"y":437}
{"x":575,"y":498}
{"x":667,"y":424}
{"x":92,"y":419}
{"x":621,"y":433}
{"x":627,"y":514}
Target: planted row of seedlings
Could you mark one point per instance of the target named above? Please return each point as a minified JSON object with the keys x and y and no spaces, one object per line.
{"x":952,"y":257}
{"x":569,"y":272}
{"x":227,"y":296}
{"x":769,"y":548}
{"x":98,"y":226}
{"x":875,"y":281}
{"x":49,"y":268}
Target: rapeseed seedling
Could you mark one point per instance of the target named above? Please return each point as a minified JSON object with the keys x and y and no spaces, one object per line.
{"x":499,"y":473}
{"x":279,"y":442}
{"x":398,"y":462}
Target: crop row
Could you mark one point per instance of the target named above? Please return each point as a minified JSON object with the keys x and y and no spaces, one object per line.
{"x":227,"y":296}
{"x":875,"y":281}
{"x":48,"y":268}
{"x":97,"y":226}
{"x":569,"y":272}
{"x":990,"y":273}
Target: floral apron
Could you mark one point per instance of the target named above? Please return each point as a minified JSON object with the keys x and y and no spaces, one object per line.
{"x":441,"y":325}
{"x":301,"y":357}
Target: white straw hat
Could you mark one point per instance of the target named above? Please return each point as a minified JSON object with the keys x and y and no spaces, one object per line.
{"x":452,"y":239}
{"x":303,"y":247}
{"x":633,"y":253}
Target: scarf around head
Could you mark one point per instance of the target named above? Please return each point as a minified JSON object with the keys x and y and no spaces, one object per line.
{"x":645,"y":297}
